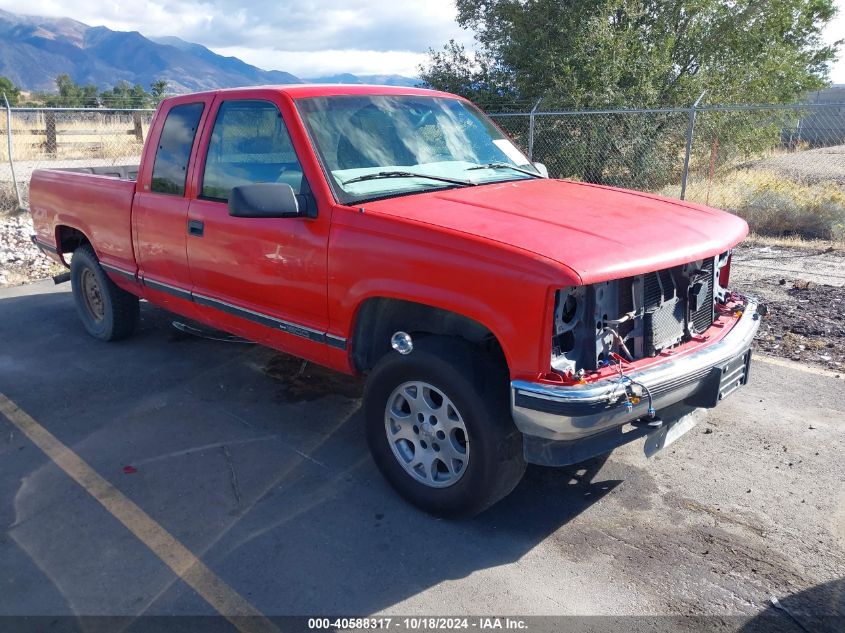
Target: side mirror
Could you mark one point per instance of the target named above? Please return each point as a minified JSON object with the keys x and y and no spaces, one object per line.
{"x":544,"y":172}
{"x":263,"y":200}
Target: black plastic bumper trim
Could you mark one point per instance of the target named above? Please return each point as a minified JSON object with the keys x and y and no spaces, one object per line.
{"x":44,"y":248}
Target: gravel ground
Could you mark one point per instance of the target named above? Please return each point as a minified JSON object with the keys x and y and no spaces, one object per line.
{"x":20,"y":261}
{"x":804,"y":289}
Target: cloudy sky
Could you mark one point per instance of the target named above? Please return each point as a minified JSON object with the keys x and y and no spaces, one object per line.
{"x":306,"y":37}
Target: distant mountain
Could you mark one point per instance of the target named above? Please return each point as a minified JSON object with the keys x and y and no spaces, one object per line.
{"x":382,"y":80}
{"x":34,"y":50}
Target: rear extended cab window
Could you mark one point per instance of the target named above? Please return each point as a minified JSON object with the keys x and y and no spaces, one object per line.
{"x":170,"y":169}
{"x":249,"y":144}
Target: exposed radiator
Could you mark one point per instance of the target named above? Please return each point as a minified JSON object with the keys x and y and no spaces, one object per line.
{"x":663,"y":326}
{"x":701,"y":315}
{"x":669,"y":309}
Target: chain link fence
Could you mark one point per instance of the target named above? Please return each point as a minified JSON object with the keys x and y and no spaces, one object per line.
{"x":59,"y":137}
{"x":782,"y":168}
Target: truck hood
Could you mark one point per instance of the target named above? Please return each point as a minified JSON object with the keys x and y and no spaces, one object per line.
{"x":598,"y":232}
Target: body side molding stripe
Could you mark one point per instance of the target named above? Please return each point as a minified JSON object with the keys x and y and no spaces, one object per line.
{"x":266,"y":320}
{"x":163,"y":287}
{"x":335,"y":341}
{"x":119,"y":271}
{"x":251,"y":315}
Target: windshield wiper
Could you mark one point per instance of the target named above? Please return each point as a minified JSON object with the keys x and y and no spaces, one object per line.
{"x":407,"y":174}
{"x":505,"y":166}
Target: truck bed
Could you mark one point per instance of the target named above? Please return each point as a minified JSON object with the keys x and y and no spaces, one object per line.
{"x":94,"y":200}
{"x":123,"y":172}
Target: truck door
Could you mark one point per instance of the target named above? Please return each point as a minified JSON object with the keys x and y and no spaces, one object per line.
{"x":264,"y":278}
{"x":160,"y":207}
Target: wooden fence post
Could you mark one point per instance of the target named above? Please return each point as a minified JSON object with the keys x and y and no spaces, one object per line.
{"x":50,"y":129}
{"x":139,"y":126}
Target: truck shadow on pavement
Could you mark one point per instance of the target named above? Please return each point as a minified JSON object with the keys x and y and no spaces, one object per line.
{"x":271,"y":487}
{"x":819,"y":609}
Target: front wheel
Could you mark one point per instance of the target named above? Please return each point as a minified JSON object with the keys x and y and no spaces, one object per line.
{"x":439,"y":427}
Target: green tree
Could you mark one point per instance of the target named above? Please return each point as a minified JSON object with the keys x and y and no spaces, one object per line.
{"x":599,"y":53}
{"x":72,"y":95}
{"x":13,"y":93}
{"x":125,"y":96}
{"x":632,"y":53}
{"x":157,"y":90}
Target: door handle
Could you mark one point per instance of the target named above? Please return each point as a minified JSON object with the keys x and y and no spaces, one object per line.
{"x":196,"y":227}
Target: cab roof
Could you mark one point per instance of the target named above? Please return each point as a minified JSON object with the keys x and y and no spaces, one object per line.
{"x":299,"y":91}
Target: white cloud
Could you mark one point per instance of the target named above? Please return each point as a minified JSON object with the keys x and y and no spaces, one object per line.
{"x":365,"y":36}
{"x":319,"y":63}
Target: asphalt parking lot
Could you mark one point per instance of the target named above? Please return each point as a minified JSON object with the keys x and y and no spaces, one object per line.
{"x":256,"y":467}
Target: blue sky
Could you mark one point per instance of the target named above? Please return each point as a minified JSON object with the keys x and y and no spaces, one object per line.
{"x":305,"y":37}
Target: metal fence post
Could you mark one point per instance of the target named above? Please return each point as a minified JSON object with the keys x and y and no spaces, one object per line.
{"x":9,"y":145}
{"x":690,"y":130}
{"x":52,"y":144}
{"x":531,"y":129}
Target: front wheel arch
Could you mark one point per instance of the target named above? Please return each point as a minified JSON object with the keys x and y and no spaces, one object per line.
{"x":377,"y":318}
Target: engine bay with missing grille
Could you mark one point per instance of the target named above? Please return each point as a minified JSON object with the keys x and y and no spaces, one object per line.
{"x":636,"y":317}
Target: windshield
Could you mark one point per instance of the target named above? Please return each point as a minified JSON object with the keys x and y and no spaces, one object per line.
{"x":373,"y":146}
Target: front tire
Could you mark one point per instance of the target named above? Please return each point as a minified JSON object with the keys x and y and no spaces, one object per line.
{"x":108,"y":313}
{"x":439,"y":427}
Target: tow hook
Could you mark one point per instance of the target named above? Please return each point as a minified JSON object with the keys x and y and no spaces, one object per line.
{"x":650,"y":423}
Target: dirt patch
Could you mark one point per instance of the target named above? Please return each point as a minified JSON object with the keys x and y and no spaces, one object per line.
{"x":809,"y":326}
{"x":304,"y":381}
{"x":804,"y":289}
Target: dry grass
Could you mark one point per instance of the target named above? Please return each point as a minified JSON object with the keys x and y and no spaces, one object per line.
{"x":8,"y":198}
{"x":795,"y":241}
{"x":775,"y":205}
{"x":110,"y":135}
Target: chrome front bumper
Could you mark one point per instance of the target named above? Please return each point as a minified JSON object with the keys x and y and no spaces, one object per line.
{"x":699,"y":378}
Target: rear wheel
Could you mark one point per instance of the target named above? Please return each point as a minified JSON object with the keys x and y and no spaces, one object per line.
{"x":439,"y":427}
{"x":108,"y":313}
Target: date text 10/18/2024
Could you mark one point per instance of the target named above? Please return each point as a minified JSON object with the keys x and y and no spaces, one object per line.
{"x":421,"y":623}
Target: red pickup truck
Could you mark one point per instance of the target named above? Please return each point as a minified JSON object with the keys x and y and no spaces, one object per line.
{"x":501,"y":317}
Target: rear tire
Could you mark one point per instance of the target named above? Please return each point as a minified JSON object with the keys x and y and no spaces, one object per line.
{"x":108,"y":313}
{"x":439,"y":427}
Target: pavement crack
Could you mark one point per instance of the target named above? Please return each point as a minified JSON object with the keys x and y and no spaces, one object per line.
{"x":621,"y":541}
{"x":233,"y":478}
{"x":199,"y":449}
{"x":238,"y":418}
{"x":719,"y":515}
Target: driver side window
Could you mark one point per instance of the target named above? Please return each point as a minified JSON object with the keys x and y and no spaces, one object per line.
{"x":249,"y":144}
